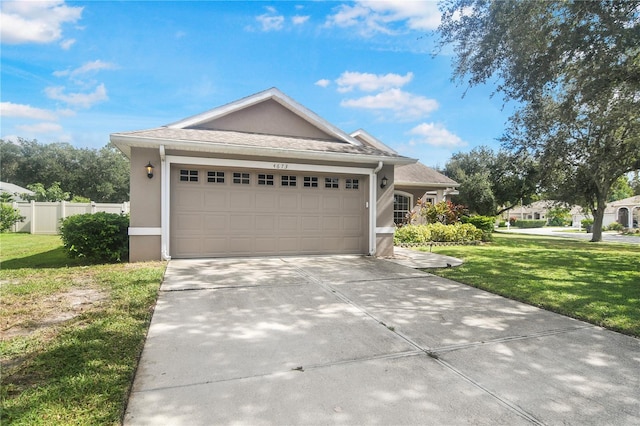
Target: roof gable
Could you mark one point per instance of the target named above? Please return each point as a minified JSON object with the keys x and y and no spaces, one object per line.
{"x":268,"y":112}
{"x":368,"y":139}
{"x":417,"y":174}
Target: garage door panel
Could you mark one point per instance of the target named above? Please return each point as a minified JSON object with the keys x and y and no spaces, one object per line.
{"x":241,"y":199}
{"x":288,"y":224}
{"x":266,"y":223}
{"x":310,"y":202}
{"x":352,"y":223}
{"x":215,"y":201}
{"x":215,"y":222}
{"x":288,"y":202}
{"x":189,"y":223}
{"x":311,"y":224}
{"x":190,"y":200}
{"x":331,"y":202}
{"x":218,"y":219}
{"x":242,"y":222}
{"x":288,"y":245}
{"x":265,"y":201}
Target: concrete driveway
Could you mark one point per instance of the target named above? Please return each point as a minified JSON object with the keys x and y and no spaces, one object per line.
{"x":354,"y":340}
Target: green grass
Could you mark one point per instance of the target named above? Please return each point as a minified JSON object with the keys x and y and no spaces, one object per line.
{"x":64,"y":362}
{"x":595,"y":282}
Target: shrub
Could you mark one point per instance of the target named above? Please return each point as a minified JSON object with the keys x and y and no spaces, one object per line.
{"x":615,"y":226}
{"x":8,"y":217}
{"x":528,"y":223}
{"x":96,"y":237}
{"x":586,"y":222}
{"x":484,"y":223}
{"x":437,"y":232}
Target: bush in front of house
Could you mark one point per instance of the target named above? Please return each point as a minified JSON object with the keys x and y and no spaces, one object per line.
{"x":8,"y":217}
{"x":96,"y":237}
{"x":437,"y":232}
{"x":484,"y":223}
{"x":529,"y":223}
{"x":615,"y":226}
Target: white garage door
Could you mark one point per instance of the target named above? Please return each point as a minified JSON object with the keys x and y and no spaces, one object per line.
{"x":219,"y":212}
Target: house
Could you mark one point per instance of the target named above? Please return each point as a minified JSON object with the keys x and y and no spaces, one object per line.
{"x":415,"y":182}
{"x":14,"y":191}
{"x":627,"y":211}
{"x":263,"y":175}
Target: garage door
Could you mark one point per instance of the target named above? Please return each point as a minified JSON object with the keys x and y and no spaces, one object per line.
{"x":220,"y":212}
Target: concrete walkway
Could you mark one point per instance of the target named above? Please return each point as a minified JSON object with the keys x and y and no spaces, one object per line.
{"x":354,"y":340}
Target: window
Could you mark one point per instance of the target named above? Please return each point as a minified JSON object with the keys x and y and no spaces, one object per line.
{"x":288,"y":181}
{"x":241,"y":178}
{"x":331,"y":182}
{"x":264,"y":179}
{"x":188,"y":175}
{"x":310,"y":182}
{"x":352,"y":183}
{"x":215,"y":177}
{"x":401,"y":207}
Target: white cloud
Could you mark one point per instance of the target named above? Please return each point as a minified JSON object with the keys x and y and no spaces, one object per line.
{"x":371,"y":82}
{"x":66,"y":44}
{"x":435,"y":134}
{"x":387,"y":17}
{"x":35,"y":22}
{"x":323,"y":82}
{"x":270,"y":21}
{"x":40,"y":128}
{"x":299,"y":20}
{"x":84,"y":100}
{"x":9,"y":109}
{"x":88,"y":67}
{"x":406,"y":106}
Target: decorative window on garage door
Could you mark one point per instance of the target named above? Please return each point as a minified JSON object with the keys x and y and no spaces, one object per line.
{"x":352,"y":183}
{"x":331,"y":182}
{"x":241,"y":178}
{"x":215,"y":177}
{"x":310,"y":182}
{"x":288,"y":180}
{"x":265,"y":179}
{"x":188,"y":175}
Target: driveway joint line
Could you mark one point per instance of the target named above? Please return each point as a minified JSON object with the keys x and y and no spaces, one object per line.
{"x":506,"y":403}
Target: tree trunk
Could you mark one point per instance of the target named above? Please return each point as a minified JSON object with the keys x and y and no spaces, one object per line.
{"x":598,"y":218}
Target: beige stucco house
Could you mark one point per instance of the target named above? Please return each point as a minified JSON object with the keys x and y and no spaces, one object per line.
{"x":259,"y":176}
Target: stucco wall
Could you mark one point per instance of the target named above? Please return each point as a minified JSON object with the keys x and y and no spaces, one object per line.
{"x":145,"y":206}
{"x":384,"y":210}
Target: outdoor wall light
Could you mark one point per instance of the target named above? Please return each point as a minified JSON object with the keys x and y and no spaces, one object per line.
{"x":384,"y":182}
{"x":149,"y":168}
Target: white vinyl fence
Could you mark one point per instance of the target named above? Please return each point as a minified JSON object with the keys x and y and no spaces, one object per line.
{"x":44,"y":218}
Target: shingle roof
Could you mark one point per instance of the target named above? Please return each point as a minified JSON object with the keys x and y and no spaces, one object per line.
{"x":418,"y":173}
{"x":225,"y":138}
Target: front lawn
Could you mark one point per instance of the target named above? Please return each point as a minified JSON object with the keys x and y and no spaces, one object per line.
{"x":595,"y":282}
{"x":72,"y":332}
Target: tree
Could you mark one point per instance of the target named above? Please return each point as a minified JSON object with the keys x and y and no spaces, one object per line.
{"x":491,"y":183}
{"x":621,"y":189}
{"x":40,"y":193}
{"x":100,"y":175}
{"x":573,"y":67}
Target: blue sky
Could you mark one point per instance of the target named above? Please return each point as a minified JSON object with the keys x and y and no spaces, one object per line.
{"x":77,"y":71}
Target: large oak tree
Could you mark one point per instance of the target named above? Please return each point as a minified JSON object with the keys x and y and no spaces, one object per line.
{"x":574,"y":68}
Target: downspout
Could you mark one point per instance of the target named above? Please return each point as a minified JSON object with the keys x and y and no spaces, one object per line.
{"x":373,"y":211}
{"x":164,"y":205}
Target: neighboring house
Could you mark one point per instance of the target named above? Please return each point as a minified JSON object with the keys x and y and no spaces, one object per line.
{"x":15,"y":190}
{"x":259,"y":176}
{"x":627,"y":211}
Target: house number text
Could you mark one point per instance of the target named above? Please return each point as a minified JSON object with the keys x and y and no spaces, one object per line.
{"x":280,"y":166}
